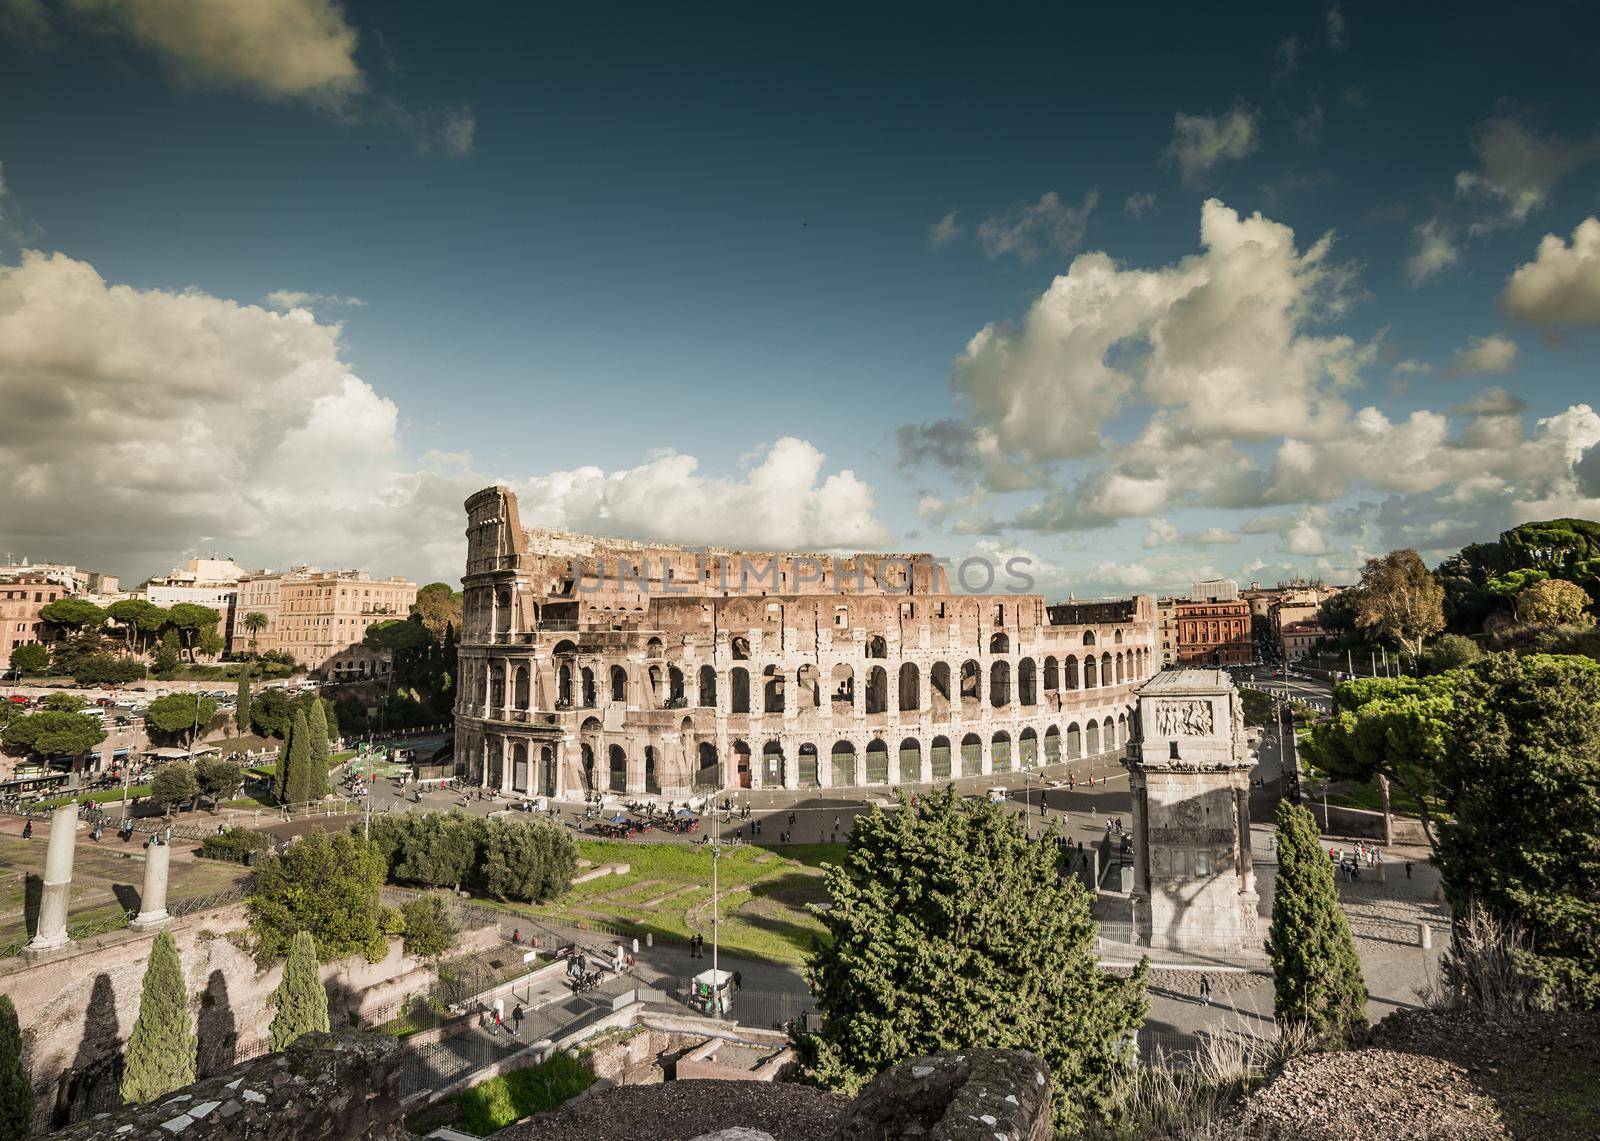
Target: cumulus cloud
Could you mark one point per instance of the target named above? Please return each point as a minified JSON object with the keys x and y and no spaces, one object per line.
{"x":1200,"y":142}
{"x":944,"y":231}
{"x":117,"y":397}
{"x":1030,"y":230}
{"x":1138,"y":205}
{"x":1517,"y":168}
{"x":1163,"y":533}
{"x":1433,"y":250}
{"x":1561,"y":285}
{"x":1493,"y":353}
{"x":1219,"y":342}
{"x":276,"y":49}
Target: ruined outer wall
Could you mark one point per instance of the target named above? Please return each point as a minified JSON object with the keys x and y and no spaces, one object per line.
{"x":563,"y":689}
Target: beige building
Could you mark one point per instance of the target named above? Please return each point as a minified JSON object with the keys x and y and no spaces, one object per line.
{"x":321,"y":617}
{"x":212,"y":583}
{"x":22,"y":596}
{"x":591,"y":664}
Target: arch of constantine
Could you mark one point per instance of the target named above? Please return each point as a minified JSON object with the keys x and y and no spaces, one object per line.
{"x":591,"y":664}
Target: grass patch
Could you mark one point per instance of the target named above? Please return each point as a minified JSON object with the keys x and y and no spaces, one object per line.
{"x":492,"y":1105}
{"x":101,"y":796}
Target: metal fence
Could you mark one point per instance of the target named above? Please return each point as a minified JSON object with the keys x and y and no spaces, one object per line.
{"x":770,"y":1010}
{"x":105,"y":924}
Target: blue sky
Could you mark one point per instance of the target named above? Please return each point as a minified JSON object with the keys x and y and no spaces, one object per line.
{"x":589,"y":245}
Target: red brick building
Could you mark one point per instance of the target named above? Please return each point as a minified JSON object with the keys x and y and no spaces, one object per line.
{"x":1214,"y":632}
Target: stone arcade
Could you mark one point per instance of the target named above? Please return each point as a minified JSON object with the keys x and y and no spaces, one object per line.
{"x":1194,"y":888}
{"x":603,"y":665}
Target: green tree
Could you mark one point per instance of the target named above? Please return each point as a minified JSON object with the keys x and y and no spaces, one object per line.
{"x":950,"y":930}
{"x":140,"y":619}
{"x":328,"y":886}
{"x":1397,"y":729}
{"x":189,"y":618}
{"x":30,"y":659}
{"x":254,"y":622}
{"x":438,"y":607}
{"x":16,"y":1091}
{"x":174,"y":784}
{"x":396,"y":635}
{"x":298,"y":783}
{"x":317,"y":724}
{"x":301,"y":1000}
{"x":106,"y":669}
{"x":181,"y":715}
{"x":330,"y":716}
{"x":1399,"y":600}
{"x":168,"y":654}
{"x":160,"y":1057}
{"x":430,"y":929}
{"x":241,"y":703}
{"x":73,"y":614}
{"x":1522,"y":783}
{"x":1452,"y":651}
{"x":209,"y":642}
{"x":55,"y":734}
{"x":435,"y":849}
{"x":531,"y":860}
{"x":62,"y":703}
{"x":219,"y":779}
{"x":271,"y":714}
{"x":1554,"y":602}
{"x":1316,"y":972}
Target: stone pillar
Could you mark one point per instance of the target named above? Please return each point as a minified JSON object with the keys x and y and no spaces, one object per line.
{"x":51,"y":932}
{"x":153,"y":900}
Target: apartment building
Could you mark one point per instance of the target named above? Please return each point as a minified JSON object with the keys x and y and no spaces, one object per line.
{"x":203,"y":582}
{"x":22,"y":596}
{"x":321,"y":617}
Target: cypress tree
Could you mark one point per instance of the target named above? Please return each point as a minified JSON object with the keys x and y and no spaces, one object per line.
{"x":300,"y":998}
{"x":16,"y":1091}
{"x":331,"y":716}
{"x":951,"y":930}
{"x":280,"y":776}
{"x":161,"y":1050}
{"x":1316,"y":972}
{"x":241,"y":710}
{"x":318,"y":724}
{"x":298,"y":781}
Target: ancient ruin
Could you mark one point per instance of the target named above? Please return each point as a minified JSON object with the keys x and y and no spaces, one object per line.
{"x":1194,"y":889}
{"x":594,"y":664}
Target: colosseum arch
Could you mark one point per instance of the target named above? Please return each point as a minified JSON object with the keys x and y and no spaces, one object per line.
{"x":707,"y":773}
{"x":877,"y":646}
{"x":519,"y":767}
{"x":939,"y":759}
{"x":774,"y":765}
{"x":971,"y":755}
{"x":617,"y":769}
{"x":739,"y":689}
{"x":1108,"y":738}
{"x":653,"y":648}
{"x":877,"y":762}
{"x":877,"y":690}
{"x":741,"y":763}
{"x":1000,"y":752}
{"x":844,"y":764}
{"x":522,"y":691}
{"x":1028,"y":749}
{"x":843,"y":684}
{"x":708,"y":687}
{"x":652,"y":770}
{"x":564,"y":684}
{"x":740,"y":648}
{"x":999,"y":643}
{"x":588,"y":688}
{"x":1105,"y":669}
{"x":1052,"y":745}
{"x":939,"y":691}
{"x":547,"y":770}
{"x":1116,"y":636}
{"x":497,"y":688}
{"x":809,"y":685}
{"x":911,"y":761}
{"x":1052,"y":675}
{"x":1091,"y":670}
{"x":1069,"y":672}
{"x":675,"y":691}
{"x":619,"y":684}
{"x":658,"y":695}
{"x":1091,"y":737}
{"x":971,"y":687}
{"x":1122,"y":728}
{"x":772,"y":689}
{"x":1000,"y":684}
{"x":1088,"y":637}
{"x":1027,"y":682}
{"x":810,"y":770}
{"x":1074,"y":741}
{"x":910,"y":695}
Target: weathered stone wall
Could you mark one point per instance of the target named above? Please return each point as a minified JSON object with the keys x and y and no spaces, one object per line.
{"x":338,"y":1087}
{"x":976,"y":1094}
{"x":77,"y":1009}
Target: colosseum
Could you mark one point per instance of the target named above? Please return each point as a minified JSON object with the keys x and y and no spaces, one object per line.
{"x":602,"y":665}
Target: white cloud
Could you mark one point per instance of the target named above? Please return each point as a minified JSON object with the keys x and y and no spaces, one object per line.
{"x":1200,"y":142}
{"x":1433,"y":250}
{"x":944,"y":231}
{"x":1561,"y":285}
{"x":1129,"y":576}
{"x":285,"y":299}
{"x":1493,"y":353}
{"x":277,"y":49}
{"x":1163,"y":533}
{"x":450,"y":130}
{"x":1335,"y":24}
{"x":1411,"y":367}
{"x":140,"y":420}
{"x":1046,"y":226}
{"x":1518,"y":169}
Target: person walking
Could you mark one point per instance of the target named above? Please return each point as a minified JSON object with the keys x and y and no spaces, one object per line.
{"x":791,"y":820}
{"x":516,"y":935}
{"x":738,"y":981}
{"x":1205,"y":990}
{"x":1408,"y":869}
{"x":516,"y":1020}
{"x":27,"y":829}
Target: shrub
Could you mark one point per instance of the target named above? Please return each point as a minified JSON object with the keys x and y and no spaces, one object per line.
{"x":430,"y":929}
{"x":234,"y":844}
{"x":494,"y":1104}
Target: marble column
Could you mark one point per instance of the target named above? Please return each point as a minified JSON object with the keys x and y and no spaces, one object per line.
{"x":51,"y":932}
{"x":153,"y":900}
